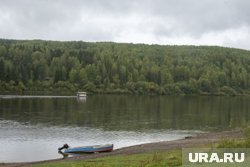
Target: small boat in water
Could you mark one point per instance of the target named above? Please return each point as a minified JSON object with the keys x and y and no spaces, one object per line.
{"x":81,"y":94}
{"x":86,"y":149}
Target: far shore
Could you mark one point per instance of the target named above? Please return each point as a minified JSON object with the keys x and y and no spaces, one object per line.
{"x":188,"y":142}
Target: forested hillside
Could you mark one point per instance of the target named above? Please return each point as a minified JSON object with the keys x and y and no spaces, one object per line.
{"x":105,"y":67}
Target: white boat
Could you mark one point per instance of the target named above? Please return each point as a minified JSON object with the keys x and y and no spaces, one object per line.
{"x":81,"y":94}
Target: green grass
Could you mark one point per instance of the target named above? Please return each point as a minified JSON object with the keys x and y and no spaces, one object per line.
{"x":236,"y":143}
{"x":157,"y":159}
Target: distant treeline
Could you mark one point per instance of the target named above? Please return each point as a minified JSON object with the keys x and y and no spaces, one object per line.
{"x":107,"y":67}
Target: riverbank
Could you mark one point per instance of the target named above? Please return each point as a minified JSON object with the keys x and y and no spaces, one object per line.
{"x":151,"y":148}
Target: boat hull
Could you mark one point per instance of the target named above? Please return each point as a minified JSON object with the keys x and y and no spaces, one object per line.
{"x":89,"y":149}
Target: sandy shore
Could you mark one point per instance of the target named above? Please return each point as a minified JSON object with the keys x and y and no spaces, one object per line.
{"x":195,"y":141}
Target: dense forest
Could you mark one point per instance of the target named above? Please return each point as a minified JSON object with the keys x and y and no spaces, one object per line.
{"x":106,"y":67}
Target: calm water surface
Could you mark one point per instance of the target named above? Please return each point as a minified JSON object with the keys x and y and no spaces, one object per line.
{"x":32,"y":128}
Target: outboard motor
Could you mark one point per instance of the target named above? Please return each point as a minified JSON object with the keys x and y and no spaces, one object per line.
{"x":63,"y":147}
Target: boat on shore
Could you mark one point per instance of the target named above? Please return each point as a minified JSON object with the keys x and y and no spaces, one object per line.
{"x":86,"y":149}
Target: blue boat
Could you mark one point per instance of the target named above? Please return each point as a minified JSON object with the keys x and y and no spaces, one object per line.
{"x":86,"y":149}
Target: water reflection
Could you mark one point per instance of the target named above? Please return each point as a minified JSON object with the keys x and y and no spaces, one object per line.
{"x":134,"y":113}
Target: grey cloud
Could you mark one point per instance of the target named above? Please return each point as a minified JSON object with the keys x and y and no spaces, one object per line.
{"x":108,"y":20}
{"x":196,"y":17}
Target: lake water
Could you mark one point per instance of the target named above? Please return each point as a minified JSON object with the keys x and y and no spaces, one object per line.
{"x":32,"y":128}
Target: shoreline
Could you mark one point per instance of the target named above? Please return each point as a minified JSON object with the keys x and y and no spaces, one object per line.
{"x":194,"y":141}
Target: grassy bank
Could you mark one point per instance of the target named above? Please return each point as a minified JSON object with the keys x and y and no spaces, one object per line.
{"x":165,"y":158}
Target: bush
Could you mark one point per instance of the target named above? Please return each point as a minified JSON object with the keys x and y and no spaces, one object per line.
{"x":228,"y":90}
{"x":172,"y":89}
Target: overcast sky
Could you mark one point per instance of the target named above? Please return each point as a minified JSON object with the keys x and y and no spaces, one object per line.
{"x":192,"y":22}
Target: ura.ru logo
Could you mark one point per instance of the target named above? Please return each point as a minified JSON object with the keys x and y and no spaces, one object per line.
{"x":215,"y":158}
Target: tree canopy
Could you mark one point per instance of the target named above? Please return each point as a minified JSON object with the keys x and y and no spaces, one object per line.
{"x":107,"y":67}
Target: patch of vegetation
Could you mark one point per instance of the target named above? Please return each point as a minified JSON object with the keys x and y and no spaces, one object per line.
{"x":106,"y":67}
{"x":236,"y":143}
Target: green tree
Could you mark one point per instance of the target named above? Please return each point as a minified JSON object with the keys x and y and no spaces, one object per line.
{"x":2,"y":69}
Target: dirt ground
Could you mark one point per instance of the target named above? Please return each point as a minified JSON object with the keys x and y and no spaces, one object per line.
{"x":199,"y":139}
